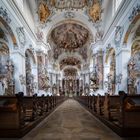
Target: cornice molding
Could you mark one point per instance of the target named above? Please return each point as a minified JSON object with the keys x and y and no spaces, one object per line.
{"x":117,"y":17}
{"x":21,"y":19}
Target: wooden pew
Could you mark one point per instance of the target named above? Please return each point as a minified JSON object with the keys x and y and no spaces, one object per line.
{"x":130,"y":108}
{"x":28,"y":105}
{"x":100,"y":104}
{"x":119,"y":112}
{"x":95,"y":104}
{"x":19,"y":114}
{"x":90,"y":100}
{"x":50,"y":103}
{"x":41,"y":105}
{"x":11,"y":112}
{"x":112,"y":107}
{"x":46,"y":104}
{"x":91,"y":106}
{"x":31,"y":105}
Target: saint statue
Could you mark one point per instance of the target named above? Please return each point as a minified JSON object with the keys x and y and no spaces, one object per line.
{"x":44,"y":12}
{"x":95,"y":11}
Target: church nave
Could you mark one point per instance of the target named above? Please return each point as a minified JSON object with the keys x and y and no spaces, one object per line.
{"x":69,"y":69}
{"x":70,"y":121}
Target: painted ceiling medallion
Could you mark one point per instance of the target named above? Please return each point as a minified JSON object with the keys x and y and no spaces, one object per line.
{"x":70,"y":61}
{"x":70,"y":36}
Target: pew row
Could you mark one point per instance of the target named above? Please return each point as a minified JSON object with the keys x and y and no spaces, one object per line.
{"x":19,"y":114}
{"x":119,"y":112}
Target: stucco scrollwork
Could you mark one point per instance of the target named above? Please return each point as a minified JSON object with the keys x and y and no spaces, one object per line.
{"x":118,"y":34}
{"x":21,"y":35}
{"x":135,"y":12}
{"x":69,"y":14}
{"x":39,"y":34}
{"x":4,"y":14}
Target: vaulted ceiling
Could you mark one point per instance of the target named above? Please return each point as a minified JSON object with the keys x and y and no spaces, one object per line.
{"x":70,"y":61}
{"x":70,"y":36}
{"x":69,"y":26}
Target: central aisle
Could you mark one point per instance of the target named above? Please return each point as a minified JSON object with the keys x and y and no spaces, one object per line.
{"x":70,"y":121}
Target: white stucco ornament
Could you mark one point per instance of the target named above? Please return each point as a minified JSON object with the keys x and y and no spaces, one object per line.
{"x":69,"y":14}
{"x":118,"y":34}
{"x":4,"y":14}
{"x":135,"y":12}
{"x":21,"y":35}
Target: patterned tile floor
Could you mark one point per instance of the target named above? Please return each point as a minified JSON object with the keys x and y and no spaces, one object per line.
{"x":70,"y":121}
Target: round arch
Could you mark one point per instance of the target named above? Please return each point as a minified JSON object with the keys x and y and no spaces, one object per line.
{"x":131,"y":29}
{"x":65,"y":55}
{"x":70,"y":21}
{"x":9,"y":30}
{"x":110,"y":52}
{"x":30,"y":53}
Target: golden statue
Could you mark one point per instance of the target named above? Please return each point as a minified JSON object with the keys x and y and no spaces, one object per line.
{"x":44,"y":12}
{"x":95,"y":11}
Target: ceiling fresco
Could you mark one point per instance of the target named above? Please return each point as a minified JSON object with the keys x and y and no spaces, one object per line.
{"x":65,"y":4}
{"x":71,"y":39}
{"x":70,"y":61}
{"x":70,"y":72}
{"x":57,"y":52}
{"x":92,"y":8}
{"x":70,"y":36}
